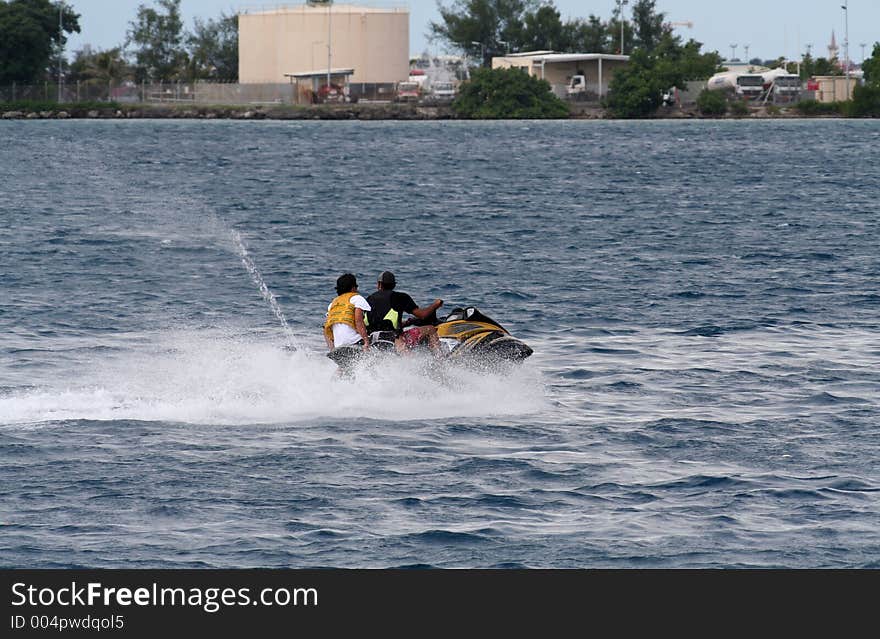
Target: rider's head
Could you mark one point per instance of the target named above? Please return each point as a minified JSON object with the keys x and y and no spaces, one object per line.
{"x":387,"y":281}
{"x":346,"y":283}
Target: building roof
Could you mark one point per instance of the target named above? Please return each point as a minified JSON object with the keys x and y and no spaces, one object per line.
{"x":320,"y":73}
{"x":323,"y":8}
{"x":550,"y":57}
{"x":530,"y":54}
{"x":577,"y":57}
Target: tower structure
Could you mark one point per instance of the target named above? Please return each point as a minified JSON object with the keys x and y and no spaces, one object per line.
{"x":832,"y":47}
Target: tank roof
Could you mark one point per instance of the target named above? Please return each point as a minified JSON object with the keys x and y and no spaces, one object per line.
{"x":322,"y":8}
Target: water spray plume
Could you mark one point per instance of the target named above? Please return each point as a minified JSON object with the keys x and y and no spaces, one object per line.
{"x":269,"y":296}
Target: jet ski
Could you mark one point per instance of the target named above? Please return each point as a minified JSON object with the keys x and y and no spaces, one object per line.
{"x":467,"y":337}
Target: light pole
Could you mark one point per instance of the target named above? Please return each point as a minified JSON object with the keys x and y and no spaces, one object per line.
{"x":845,"y":7}
{"x":863,"y":45}
{"x":809,"y":49}
{"x":620,"y":4}
{"x":746,"y":48}
{"x":329,"y":42}
{"x":733,"y":52}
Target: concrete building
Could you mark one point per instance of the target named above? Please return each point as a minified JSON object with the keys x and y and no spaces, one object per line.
{"x":832,"y":88}
{"x":557,"y":68}
{"x":276,"y":43}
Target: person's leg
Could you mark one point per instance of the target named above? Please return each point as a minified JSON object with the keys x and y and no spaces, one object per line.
{"x":429,"y":334}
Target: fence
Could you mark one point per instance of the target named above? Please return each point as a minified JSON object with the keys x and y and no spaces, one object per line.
{"x":218,"y":93}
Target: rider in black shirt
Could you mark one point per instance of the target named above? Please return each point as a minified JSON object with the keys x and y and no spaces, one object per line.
{"x":388,"y":307}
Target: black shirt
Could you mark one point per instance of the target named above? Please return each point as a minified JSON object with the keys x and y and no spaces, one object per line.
{"x":381,"y":302}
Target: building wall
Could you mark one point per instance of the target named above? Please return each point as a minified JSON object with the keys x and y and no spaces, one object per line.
{"x":832,"y":88}
{"x":558,"y":74}
{"x":374,"y":42}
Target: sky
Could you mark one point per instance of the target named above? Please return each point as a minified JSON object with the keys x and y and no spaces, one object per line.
{"x":770,"y":28}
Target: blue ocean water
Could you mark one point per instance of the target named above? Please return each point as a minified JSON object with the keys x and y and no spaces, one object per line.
{"x":702,"y":298}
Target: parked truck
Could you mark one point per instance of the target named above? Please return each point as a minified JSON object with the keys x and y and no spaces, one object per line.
{"x":442,"y":92}
{"x":577,"y":87}
{"x":408,"y":91}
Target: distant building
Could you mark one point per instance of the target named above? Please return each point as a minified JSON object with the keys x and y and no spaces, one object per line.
{"x":274,"y":44}
{"x":832,"y":47}
{"x":832,"y":88}
{"x":558,"y":68}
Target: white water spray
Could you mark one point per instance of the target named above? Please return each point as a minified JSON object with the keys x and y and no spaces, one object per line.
{"x":269,"y":296}
{"x":204,"y":376}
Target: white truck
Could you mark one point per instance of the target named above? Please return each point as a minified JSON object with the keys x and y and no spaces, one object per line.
{"x":577,"y":87}
{"x":442,"y":92}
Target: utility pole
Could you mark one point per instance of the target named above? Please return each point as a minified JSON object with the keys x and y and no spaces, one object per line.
{"x":863,"y":45}
{"x":60,"y":47}
{"x":620,"y":4}
{"x":746,"y":47}
{"x":733,"y":52}
{"x":329,"y":42}
{"x":845,"y":7}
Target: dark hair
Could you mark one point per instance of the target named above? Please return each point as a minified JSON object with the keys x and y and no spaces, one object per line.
{"x":387,"y":280}
{"x":345,"y":283}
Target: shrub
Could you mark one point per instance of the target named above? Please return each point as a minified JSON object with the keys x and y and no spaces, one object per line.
{"x":813,"y":107}
{"x":712,"y":102}
{"x":507,"y":93}
{"x":866,"y":101}
{"x":739,"y":108}
{"x":44,"y":105}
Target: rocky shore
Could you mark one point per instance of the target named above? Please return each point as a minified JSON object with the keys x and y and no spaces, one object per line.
{"x":360,"y":111}
{"x":372,"y":111}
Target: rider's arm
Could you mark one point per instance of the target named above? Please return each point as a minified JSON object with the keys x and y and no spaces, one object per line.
{"x":328,"y":337}
{"x":422,"y":313}
{"x":360,"y":327}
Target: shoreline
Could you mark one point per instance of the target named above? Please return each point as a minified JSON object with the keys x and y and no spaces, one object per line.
{"x":371,"y":111}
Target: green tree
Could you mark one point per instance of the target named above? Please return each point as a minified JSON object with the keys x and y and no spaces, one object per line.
{"x":648,"y":26}
{"x":587,"y":36}
{"x":866,"y":98}
{"x":811,"y":67}
{"x":865,"y":101}
{"x":487,"y":23}
{"x":158,"y":39}
{"x":776,"y":63}
{"x":99,"y":67}
{"x":636,"y":91}
{"x":543,"y":30}
{"x":871,"y":66}
{"x":507,"y":93}
{"x":614,"y":32}
{"x":30,"y":38}
{"x":214,"y":49}
{"x":694,"y":64}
